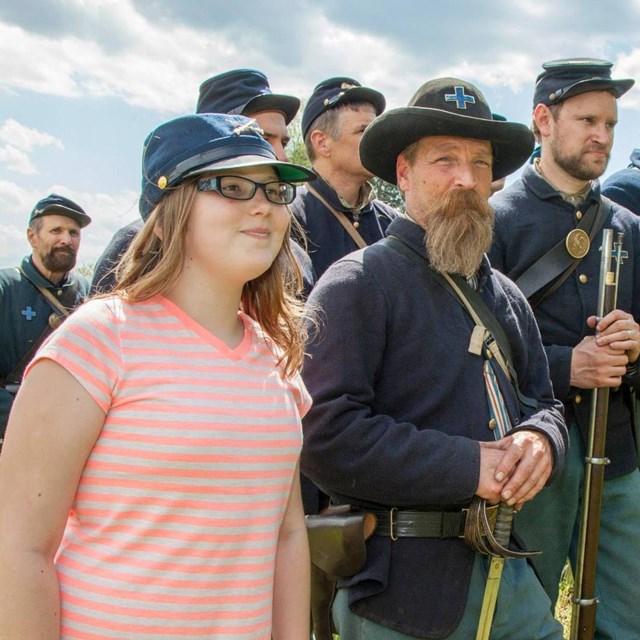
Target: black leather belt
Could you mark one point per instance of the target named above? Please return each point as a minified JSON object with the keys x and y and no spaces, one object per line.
{"x":397,"y":523}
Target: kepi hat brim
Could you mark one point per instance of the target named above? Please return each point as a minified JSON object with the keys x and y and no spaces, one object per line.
{"x":443,"y":107}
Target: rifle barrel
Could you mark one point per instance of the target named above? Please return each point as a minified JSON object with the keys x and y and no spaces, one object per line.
{"x":584,"y":603}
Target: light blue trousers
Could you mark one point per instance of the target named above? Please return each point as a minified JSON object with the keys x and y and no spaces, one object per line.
{"x":522,"y":610}
{"x":551,"y":523}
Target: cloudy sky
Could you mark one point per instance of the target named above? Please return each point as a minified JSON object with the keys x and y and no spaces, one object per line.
{"x":82,"y":82}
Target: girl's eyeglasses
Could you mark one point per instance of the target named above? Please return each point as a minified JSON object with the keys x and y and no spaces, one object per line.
{"x":237,"y":188}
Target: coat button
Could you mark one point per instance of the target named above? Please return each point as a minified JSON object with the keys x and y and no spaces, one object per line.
{"x":579,"y":215}
{"x":492,"y":424}
{"x":583,"y":278}
{"x":578,"y":399}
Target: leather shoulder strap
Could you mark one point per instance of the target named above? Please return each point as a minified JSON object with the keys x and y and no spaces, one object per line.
{"x":342,"y":219}
{"x":558,"y":262}
{"x":499,"y":345}
{"x":56,"y":305}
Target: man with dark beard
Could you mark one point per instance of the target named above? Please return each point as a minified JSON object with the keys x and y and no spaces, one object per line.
{"x":399,"y":372}
{"x":557,"y":203}
{"x":36,"y":296}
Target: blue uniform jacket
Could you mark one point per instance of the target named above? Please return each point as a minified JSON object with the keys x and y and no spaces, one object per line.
{"x":24,"y":314}
{"x":104,"y":277}
{"x":399,"y":408}
{"x":623,"y":186}
{"x":531,"y":217}
{"x":327,"y":240}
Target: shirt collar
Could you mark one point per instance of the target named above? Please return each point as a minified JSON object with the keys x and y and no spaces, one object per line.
{"x":332,"y":197}
{"x":546,"y":191}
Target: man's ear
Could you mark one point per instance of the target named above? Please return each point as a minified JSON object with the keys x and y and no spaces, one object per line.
{"x":32,"y":237}
{"x":402,"y":171}
{"x":544,"y":119}
{"x":321,"y":142}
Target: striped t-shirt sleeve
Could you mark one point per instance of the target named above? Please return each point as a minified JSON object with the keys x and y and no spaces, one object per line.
{"x":87,"y":345}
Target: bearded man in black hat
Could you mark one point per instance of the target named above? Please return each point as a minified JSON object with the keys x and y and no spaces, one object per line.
{"x":413,"y":419}
{"x":557,"y":203}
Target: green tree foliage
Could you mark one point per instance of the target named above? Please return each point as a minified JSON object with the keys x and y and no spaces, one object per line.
{"x":389,"y":194}
{"x":295,"y":149}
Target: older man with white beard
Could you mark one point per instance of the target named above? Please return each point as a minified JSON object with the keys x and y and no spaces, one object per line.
{"x":401,"y":375}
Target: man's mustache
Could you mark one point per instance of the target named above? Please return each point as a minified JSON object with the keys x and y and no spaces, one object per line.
{"x":69,"y":251}
{"x":597,"y":146}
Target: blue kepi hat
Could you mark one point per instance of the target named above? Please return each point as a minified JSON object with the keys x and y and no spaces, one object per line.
{"x":200,"y":143}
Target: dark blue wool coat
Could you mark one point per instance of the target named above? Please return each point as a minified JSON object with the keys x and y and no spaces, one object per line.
{"x":327,"y":239}
{"x":24,"y":314}
{"x":531,"y":217}
{"x":399,"y":407}
{"x":623,"y":186}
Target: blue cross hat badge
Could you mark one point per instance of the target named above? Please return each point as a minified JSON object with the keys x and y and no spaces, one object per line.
{"x":459,"y":97}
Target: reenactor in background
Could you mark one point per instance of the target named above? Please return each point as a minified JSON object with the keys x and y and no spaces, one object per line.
{"x":547,"y":239}
{"x":36,"y":296}
{"x":338,"y":213}
{"x":238,"y":92}
{"x":623,"y":186}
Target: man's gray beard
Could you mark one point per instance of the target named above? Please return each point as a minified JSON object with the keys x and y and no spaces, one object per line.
{"x":458,"y":232}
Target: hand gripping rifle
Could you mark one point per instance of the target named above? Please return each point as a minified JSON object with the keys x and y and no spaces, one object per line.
{"x":584,"y":602}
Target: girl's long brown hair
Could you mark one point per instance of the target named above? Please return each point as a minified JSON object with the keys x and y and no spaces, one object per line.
{"x":152,"y":266}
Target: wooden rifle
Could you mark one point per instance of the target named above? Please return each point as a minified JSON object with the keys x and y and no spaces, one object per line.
{"x":583,"y":618}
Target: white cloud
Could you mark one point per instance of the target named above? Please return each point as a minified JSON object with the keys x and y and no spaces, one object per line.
{"x":17,"y":160}
{"x":19,"y":140}
{"x":26,"y":138}
{"x":158,"y":66}
{"x":628,"y":66}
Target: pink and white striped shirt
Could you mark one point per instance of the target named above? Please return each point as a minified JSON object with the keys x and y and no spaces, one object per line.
{"x":174,"y":528}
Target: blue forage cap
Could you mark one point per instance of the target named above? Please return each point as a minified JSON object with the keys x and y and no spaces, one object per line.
{"x":200,"y":143}
{"x":243,"y":92}
{"x":568,"y":77}
{"x":334,"y":92}
{"x":55,"y":204}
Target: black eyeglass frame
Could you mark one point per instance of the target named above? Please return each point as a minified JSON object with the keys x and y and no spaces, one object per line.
{"x":214,"y":183}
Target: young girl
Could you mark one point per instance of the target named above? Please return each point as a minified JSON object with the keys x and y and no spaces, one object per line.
{"x":149,"y":481}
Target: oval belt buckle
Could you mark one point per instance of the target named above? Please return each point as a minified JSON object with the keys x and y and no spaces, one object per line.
{"x":577,"y":243}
